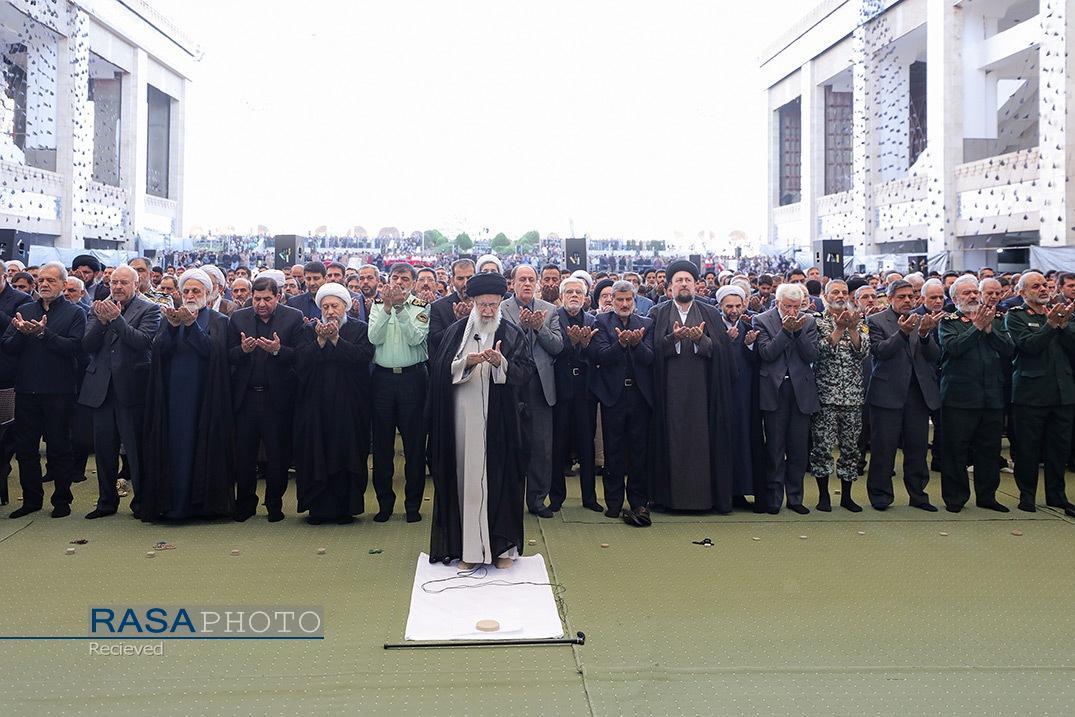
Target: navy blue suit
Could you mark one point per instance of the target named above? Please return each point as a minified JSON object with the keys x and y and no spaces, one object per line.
{"x":574,"y":417}
{"x":623,"y":382}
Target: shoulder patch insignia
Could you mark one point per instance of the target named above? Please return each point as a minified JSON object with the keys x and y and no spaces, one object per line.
{"x":950,"y":317}
{"x":378,"y":301}
{"x":1019,"y":307}
{"x":423,"y":318}
{"x":419,"y":302}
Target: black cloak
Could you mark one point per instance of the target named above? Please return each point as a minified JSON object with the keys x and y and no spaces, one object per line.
{"x":505,"y":452}
{"x":332,"y":419}
{"x":212,"y":489}
{"x":722,"y":371}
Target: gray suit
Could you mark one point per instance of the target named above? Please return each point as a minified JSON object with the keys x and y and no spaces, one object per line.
{"x":115,"y":388}
{"x":539,"y":396}
{"x":903,"y":390}
{"x":787,"y":395}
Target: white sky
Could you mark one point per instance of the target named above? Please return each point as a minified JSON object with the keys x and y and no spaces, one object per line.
{"x":633,"y":119}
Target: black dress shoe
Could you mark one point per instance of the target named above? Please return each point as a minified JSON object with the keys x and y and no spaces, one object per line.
{"x":100,"y":513}
{"x":61,"y":511}
{"x":993,"y":505}
{"x":612,"y":513}
{"x":276,"y":515}
{"x":881,"y":508}
{"x":595,"y":507}
{"x":414,"y":517}
{"x":315,"y":521}
{"x":555,"y":508}
{"x":631,"y":518}
{"x":800,"y":509}
{"x":1028,"y":507}
{"x":928,"y":507}
{"x":1066,"y":506}
{"x":241,"y":516}
{"x":642,"y":513}
{"x":382,"y":516}
{"x":953,"y":508}
{"x":24,"y":510}
{"x":773,"y":511}
{"x":345,"y":520}
{"x":543,"y":512}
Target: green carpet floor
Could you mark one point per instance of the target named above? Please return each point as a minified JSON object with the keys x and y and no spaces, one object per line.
{"x":834,"y":614}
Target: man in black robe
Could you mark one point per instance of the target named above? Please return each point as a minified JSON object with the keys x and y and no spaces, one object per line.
{"x":331,"y":437}
{"x":188,"y":463}
{"x":477,"y":423}
{"x":693,"y":370}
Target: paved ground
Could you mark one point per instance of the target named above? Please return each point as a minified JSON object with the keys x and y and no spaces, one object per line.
{"x":868,"y":614}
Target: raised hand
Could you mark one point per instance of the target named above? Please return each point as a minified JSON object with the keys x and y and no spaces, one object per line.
{"x":928,"y":323}
{"x":751,"y":337}
{"x":172,"y":315}
{"x":247,"y":343}
{"x":854,"y":319}
{"x":473,"y":359}
{"x":983,"y":318}
{"x":733,"y":331}
{"x":909,"y":323}
{"x":680,"y":332}
{"x":622,"y":336}
{"x":695,"y":333}
{"x":269,"y":345}
{"x":537,"y":319}
{"x":462,"y":309}
{"x":493,"y":355}
{"x":585,"y":335}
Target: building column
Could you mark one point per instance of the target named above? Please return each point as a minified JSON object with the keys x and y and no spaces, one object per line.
{"x":134,"y":149}
{"x":177,"y":157}
{"x":772,"y":195}
{"x":812,"y":170}
{"x":1056,"y":115}
{"x":43,"y":67}
{"x":944,"y":125}
{"x":863,"y":147}
{"x":74,"y":146}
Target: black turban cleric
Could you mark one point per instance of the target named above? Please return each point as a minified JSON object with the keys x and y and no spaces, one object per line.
{"x":482,"y":284}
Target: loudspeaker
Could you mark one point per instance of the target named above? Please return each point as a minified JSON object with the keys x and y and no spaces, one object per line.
{"x":696,"y":259}
{"x":575,"y":255}
{"x":288,"y":250}
{"x":14,"y":245}
{"x":831,"y":259}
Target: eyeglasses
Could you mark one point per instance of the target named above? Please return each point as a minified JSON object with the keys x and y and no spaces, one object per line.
{"x":488,"y":305}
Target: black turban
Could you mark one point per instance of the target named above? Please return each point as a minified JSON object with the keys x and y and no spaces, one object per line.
{"x":599,"y":287}
{"x":681,"y":265}
{"x":489,"y":283}
{"x":86,"y":260}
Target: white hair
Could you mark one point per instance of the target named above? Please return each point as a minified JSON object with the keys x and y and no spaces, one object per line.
{"x":126,"y":267}
{"x":623,"y":285}
{"x":573,"y":280}
{"x":790,"y":291}
{"x":931,"y":283}
{"x":964,"y":279}
{"x":81,"y":285}
{"x":55,"y":265}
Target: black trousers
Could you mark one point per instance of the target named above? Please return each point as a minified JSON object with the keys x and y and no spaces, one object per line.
{"x":973,"y":432}
{"x":114,"y":425}
{"x":574,"y":423}
{"x":399,"y":403}
{"x":258,"y":423}
{"x":7,"y":452}
{"x":1043,"y":434}
{"x":625,"y":427}
{"x":887,"y":426}
{"x":45,"y":416}
{"x":787,"y":448}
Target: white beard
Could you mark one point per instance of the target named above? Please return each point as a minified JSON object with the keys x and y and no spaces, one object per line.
{"x":195,"y":305}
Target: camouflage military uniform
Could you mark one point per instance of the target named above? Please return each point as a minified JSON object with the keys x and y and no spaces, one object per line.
{"x":841,"y":393}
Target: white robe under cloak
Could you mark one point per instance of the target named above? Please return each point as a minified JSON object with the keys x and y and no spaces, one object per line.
{"x":471,"y":406}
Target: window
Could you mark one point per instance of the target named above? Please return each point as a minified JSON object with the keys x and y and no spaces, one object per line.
{"x":790,"y":148}
{"x":106,"y":95}
{"x":839,"y":154}
{"x":159,"y":129}
{"x":917,"y":112}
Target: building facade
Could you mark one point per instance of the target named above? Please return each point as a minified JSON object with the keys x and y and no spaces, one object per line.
{"x":924,"y":129}
{"x":92,"y":124}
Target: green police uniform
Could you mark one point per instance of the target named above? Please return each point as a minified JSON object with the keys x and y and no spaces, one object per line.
{"x":1043,"y":404}
{"x":972,"y":397}
{"x":399,"y":395}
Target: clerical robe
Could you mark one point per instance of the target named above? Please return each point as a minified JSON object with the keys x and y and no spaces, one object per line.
{"x":478,"y":456}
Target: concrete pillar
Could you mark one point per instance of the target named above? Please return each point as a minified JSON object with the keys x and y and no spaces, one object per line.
{"x":864,"y":152}
{"x":772,"y":196}
{"x":1056,"y":116}
{"x":812,"y":108}
{"x":891,"y":120}
{"x":944,"y":125}
{"x":133,"y":143}
{"x":177,"y":158}
{"x":74,"y":146}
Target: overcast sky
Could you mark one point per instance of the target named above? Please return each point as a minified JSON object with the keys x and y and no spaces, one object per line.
{"x":619,"y":118}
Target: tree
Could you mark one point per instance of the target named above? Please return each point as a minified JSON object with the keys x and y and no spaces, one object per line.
{"x":500,"y":241}
{"x":443,"y":248}
{"x":433,"y":237}
{"x":529,"y":241}
{"x":463,"y":242}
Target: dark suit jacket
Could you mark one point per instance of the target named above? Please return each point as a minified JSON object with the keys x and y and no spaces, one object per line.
{"x":895,"y":356}
{"x":304,"y":302}
{"x":441,"y":316}
{"x":10,"y":301}
{"x":287,"y":323}
{"x":47,"y":365}
{"x":781,"y":354}
{"x":607,"y":381}
{"x":227,"y":307}
{"x":571,"y":357}
{"x":119,"y":353}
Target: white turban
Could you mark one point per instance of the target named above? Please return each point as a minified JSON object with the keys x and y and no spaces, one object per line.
{"x":217,"y":276}
{"x":274,"y":274}
{"x":584,"y":275}
{"x":724,"y":274}
{"x":17,"y":264}
{"x":486,"y":258}
{"x":728,"y":291}
{"x":197,"y":275}
{"x":332,"y":289}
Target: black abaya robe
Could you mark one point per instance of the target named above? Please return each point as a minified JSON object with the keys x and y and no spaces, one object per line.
{"x":505,"y":452}
{"x":331,"y":411}
{"x":213,"y":468}
{"x":722,"y":371}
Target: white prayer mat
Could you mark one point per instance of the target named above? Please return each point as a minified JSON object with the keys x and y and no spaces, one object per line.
{"x":519,"y":598}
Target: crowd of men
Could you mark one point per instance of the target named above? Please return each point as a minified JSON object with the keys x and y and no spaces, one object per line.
{"x":683,"y":390}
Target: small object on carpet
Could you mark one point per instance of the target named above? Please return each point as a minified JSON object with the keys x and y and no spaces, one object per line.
{"x":151,"y":554}
{"x":802,"y":537}
{"x":375,"y":551}
{"x":706,"y":542}
{"x":234,"y":551}
{"x":487,"y":625}
{"x":321,"y":551}
{"x":70,"y":551}
{"x":604,"y":545}
{"x":1017,"y":532}
{"x":80,"y":541}
{"x":944,"y":533}
{"x":531,"y":542}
